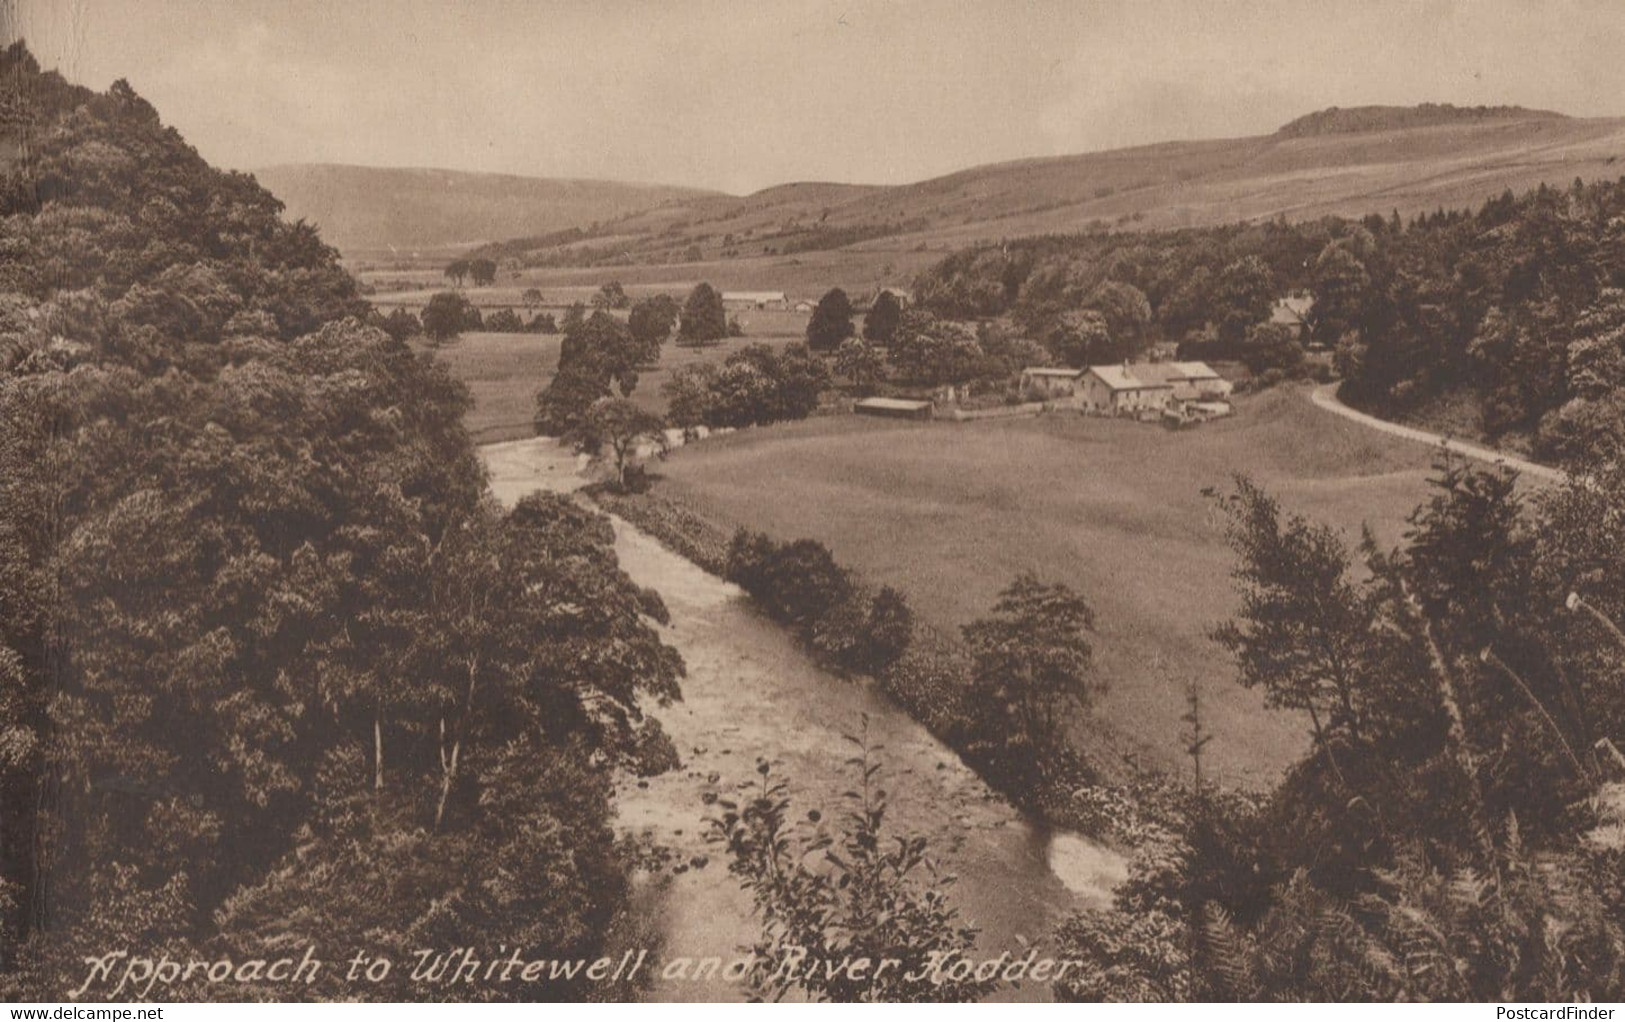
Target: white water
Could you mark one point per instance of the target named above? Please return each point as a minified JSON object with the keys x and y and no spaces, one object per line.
{"x":750,"y":692}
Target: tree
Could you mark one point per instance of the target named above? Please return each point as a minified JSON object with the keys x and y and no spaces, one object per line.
{"x":931,"y":351}
{"x":1080,"y":338}
{"x":622,"y":428}
{"x":603,"y":345}
{"x":457,"y":271}
{"x":703,"y":320}
{"x":505,"y":321}
{"x":651,"y":322}
{"x":445,"y":316}
{"x":756,"y":385}
{"x":860,"y":363}
{"x":831,"y":321}
{"x":1339,"y":284}
{"x":401,"y":324}
{"x":532,"y":298}
{"x":611,"y":296}
{"x":564,"y":402}
{"x":1302,"y":632}
{"x":1243,"y":295}
{"x":688,"y":393}
{"x":1271,"y":346}
{"x":1127,"y":313}
{"x":882,"y":319}
{"x":483,"y":272}
{"x":1032,"y":666}
{"x":574,"y":315}
{"x":858,"y":893}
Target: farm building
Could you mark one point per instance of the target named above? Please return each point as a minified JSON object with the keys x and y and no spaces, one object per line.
{"x":754,"y":300}
{"x":805,"y":305}
{"x":1059,"y":386}
{"x":1142,"y":388}
{"x":893,"y":408}
{"x":1293,"y":311}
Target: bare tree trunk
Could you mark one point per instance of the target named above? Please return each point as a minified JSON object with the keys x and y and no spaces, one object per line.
{"x":378,"y":746}
{"x":1457,"y":728}
{"x":1325,"y":746}
{"x":448,"y":763}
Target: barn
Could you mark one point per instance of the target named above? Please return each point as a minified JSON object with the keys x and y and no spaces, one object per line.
{"x":893,"y":408}
{"x":1057,"y":386}
{"x":754,"y":300}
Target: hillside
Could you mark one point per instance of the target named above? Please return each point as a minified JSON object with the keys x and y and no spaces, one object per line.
{"x":1351,"y":120}
{"x":1348,"y":162}
{"x":361,"y":208}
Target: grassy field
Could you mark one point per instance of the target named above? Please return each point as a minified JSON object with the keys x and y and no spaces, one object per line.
{"x":504,"y":371}
{"x":952,"y":512}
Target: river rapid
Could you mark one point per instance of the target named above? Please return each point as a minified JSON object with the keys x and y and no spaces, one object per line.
{"x":750,"y":692}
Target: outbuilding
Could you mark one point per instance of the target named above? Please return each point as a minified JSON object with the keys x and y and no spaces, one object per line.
{"x":893,"y":408}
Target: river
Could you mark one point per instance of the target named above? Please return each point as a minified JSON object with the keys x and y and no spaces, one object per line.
{"x":750,"y":692}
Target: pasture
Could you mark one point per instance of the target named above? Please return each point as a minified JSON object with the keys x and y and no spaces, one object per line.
{"x":950,"y":513}
{"x":504,"y":371}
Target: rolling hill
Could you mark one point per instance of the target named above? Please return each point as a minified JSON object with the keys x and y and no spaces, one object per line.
{"x":407,"y":208}
{"x":805,"y":236}
{"x":1350,"y":162}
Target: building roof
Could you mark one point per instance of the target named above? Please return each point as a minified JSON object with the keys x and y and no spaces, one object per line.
{"x":1153,"y":375}
{"x":1292,"y":309}
{"x":893,"y":404}
{"x":1193,"y":371}
{"x":753,"y":296}
{"x":1140,"y":376}
{"x":1048,"y":371}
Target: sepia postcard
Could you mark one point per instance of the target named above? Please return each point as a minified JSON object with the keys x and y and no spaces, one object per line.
{"x":812,"y":500}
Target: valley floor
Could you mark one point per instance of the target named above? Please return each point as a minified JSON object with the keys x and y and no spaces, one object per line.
{"x":950,"y":513}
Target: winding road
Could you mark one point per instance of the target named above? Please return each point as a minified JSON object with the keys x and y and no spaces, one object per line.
{"x":1325,"y":396}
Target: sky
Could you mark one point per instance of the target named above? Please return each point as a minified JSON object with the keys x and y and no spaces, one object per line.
{"x":740,"y":95}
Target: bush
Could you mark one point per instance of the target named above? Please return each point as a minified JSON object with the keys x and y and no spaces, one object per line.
{"x":930,"y":684}
{"x":800,"y":584}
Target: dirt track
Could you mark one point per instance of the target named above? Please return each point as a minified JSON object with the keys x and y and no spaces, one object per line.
{"x":1325,"y":396}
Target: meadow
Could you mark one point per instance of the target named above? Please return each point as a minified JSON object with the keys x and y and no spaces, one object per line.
{"x":950,"y":513}
{"x":503,"y":372}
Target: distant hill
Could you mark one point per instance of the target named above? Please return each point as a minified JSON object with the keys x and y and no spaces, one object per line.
{"x":384,"y":207}
{"x":1343,"y":121}
{"x":1345,"y":162}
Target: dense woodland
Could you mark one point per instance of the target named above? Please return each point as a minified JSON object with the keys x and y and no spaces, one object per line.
{"x":274,"y":670}
{"x":1515,"y":307}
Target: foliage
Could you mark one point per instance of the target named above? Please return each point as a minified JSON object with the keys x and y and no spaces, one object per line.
{"x":1271,"y":346}
{"x":1510,"y":305}
{"x":703,"y":318}
{"x":620,"y":427}
{"x":1032,"y":666}
{"x":861,"y":363}
{"x":447,"y":314}
{"x":753,"y":386}
{"x":1441,"y":839}
{"x":611,"y":296}
{"x":598,"y":358}
{"x":831,"y":321}
{"x":931,"y":351}
{"x":273,"y":664}
{"x":650,"y":322}
{"x":882,"y":319}
{"x":856,"y":893}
